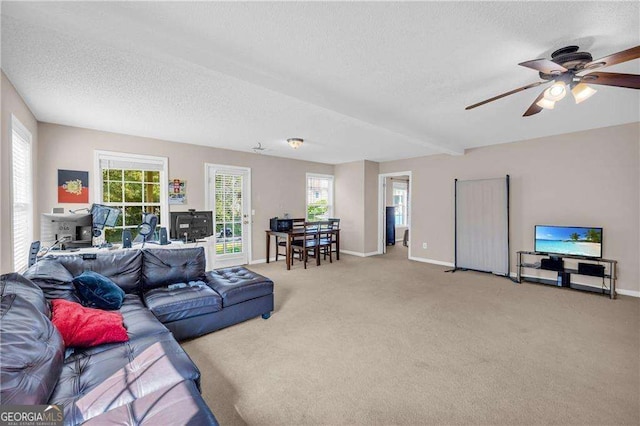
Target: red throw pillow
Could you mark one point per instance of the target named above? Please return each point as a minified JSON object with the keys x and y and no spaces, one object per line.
{"x":85,"y":327}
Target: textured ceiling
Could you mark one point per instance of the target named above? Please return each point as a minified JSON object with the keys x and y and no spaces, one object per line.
{"x":375,"y":81}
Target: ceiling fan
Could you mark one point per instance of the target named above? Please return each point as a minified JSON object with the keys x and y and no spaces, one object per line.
{"x":564,"y":69}
{"x":258,"y":149}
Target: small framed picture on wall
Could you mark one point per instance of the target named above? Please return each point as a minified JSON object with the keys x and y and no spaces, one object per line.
{"x":73,"y":186}
{"x":177,"y":191}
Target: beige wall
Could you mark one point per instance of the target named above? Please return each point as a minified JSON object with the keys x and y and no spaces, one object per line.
{"x":588,"y":178}
{"x":371,"y":171}
{"x":349,"y":199}
{"x":278,"y":184}
{"x":12,"y":103}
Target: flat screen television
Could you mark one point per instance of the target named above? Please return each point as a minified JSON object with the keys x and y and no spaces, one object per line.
{"x":190,"y":225}
{"x":570,"y":240}
{"x":71,"y":230}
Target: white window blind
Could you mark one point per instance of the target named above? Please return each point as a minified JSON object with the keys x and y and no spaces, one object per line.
{"x":124,"y":164}
{"x":21,"y":194}
{"x":319,"y":196}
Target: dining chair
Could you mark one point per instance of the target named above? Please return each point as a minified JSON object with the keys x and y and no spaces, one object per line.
{"x":335,"y":225}
{"x":297,"y":226}
{"x":325,"y":238}
{"x":308,"y":242}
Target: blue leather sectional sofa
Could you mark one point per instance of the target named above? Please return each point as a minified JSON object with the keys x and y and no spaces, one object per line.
{"x":148,"y":380}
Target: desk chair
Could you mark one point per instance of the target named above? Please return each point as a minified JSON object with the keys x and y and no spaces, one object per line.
{"x":298,"y":225}
{"x":33,"y":253}
{"x":308,"y":242}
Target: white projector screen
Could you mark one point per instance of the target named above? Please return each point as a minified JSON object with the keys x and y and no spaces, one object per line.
{"x":482,"y":225}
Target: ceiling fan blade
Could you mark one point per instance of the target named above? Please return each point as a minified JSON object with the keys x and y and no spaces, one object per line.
{"x":544,"y":65}
{"x":631,"y":81}
{"x":534,"y":108}
{"x":616,"y":58}
{"x":520,"y":89}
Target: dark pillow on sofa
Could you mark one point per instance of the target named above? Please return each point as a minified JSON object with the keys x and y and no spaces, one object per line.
{"x":86,"y":327}
{"x":98,"y":291}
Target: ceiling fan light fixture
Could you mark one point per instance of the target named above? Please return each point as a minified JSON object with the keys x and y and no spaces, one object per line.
{"x":556,"y":92}
{"x":582,"y":92}
{"x":546,"y":103}
{"x":295,"y":143}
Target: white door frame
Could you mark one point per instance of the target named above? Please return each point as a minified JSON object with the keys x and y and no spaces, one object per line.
{"x":208,"y":199}
{"x":382,"y":211}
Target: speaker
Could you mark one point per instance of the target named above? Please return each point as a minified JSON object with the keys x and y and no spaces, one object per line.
{"x":591,"y":269}
{"x":126,"y":238}
{"x":163,"y":237}
{"x":552,"y":264}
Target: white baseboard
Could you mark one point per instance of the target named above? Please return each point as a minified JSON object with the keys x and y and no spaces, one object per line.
{"x":263,"y":260}
{"x":359,"y":254}
{"x":435,"y":262}
{"x":631,"y":293}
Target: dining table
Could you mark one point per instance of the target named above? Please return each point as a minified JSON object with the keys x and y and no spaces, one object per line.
{"x":289,"y":236}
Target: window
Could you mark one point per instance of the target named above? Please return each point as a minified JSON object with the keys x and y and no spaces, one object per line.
{"x":400,"y":190}
{"x":21,"y":194}
{"x":319,"y":197}
{"x":134,"y":184}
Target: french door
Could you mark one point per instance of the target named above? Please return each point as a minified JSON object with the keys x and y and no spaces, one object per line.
{"x":229,"y":198}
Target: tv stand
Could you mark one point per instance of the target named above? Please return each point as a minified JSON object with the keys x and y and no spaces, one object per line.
{"x":563,"y":278}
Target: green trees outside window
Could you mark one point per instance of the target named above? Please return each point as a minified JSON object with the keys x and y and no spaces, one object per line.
{"x":133,"y":192}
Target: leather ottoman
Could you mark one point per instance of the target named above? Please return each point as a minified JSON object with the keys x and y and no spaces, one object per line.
{"x":238,"y":284}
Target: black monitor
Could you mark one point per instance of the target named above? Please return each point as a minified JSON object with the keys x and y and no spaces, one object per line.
{"x":69,"y":230}
{"x":104,"y":216}
{"x":191,"y":225}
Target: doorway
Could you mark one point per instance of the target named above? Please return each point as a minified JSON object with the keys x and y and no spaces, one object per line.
{"x":394,"y":212}
{"x":228,"y":196}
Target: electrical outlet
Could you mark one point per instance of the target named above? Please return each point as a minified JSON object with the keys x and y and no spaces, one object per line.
{"x":424,"y":246}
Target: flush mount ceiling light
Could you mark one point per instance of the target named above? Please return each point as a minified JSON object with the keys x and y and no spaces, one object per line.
{"x":565,"y":70}
{"x":295,"y":143}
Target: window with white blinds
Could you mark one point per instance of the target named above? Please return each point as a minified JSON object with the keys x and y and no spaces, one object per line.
{"x":21,"y":194}
{"x":135,"y":184}
{"x":319,"y":196}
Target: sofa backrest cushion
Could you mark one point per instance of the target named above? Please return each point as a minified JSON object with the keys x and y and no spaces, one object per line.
{"x":162,"y":267}
{"x":54,"y":279}
{"x":123,"y":267}
{"x":17,"y":284}
{"x":32,"y":352}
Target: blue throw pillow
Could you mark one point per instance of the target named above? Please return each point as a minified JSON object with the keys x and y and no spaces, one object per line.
{"x":98,"y":291}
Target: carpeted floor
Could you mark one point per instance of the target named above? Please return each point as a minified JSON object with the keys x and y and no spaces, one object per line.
{"x":382,"y":340}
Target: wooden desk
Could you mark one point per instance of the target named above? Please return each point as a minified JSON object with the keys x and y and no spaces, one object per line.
{"x":288,"y":235}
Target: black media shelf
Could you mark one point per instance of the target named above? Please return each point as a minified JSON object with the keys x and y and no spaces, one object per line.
{"x":564,"y":275}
